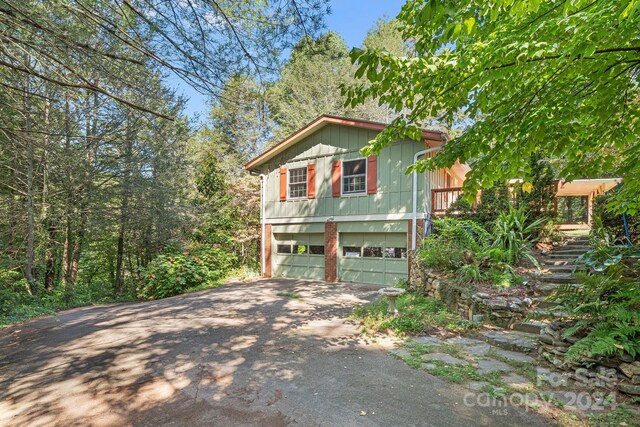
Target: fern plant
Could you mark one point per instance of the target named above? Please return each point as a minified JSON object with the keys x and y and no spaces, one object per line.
{"x":605,"y":306}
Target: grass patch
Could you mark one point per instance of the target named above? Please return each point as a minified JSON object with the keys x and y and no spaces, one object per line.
{"x":462,"y":373}
{"x":455,"y":373}
{"x":620,"y":416}
{"x":526,"y":369}
{"x":288,"y":294}
{"x":416,"y":313}
{"x":454,"y":350}
{"x":415,"y":361}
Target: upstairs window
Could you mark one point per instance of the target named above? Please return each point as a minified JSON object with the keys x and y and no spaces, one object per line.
{"x":354,"y":176}
{"x":298,"y":183}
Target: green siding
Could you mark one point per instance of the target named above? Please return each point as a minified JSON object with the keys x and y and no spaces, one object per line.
{"x":373,"y":227}
{"x":337,"y":142}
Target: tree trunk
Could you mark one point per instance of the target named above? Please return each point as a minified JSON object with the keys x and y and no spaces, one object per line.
{"x":50,"y":262}
{"x":124,"y":208}
{"x":30,"y":252}
{"x":68,"y":236}
{"x":86,"y":193}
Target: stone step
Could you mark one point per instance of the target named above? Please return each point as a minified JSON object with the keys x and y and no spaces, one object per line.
{"x":530,"y":326}
{"x":561,"y":257}
{"x":542,"y":302}
{"x":511,"y":340}
{"x":546,"y":312}
{"x":577,"y":237}
{"x":575,"y":252}
{"x":565,"y":268}
{"x":546,"y":288}
{"x":557,"y":262}
{"x":573,"y":245}
{"x":584,"y":242}
{"x":557,"y":278}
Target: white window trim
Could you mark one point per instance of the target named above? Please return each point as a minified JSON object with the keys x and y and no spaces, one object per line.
{"x":289,"y":196}
{"x":366,"y":177}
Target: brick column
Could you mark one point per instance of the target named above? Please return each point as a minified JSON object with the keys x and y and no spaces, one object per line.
{"x":419,"y":231}
{"x":331,"y":252}
{"x":419,"y":234}
{"x":267,"y":250}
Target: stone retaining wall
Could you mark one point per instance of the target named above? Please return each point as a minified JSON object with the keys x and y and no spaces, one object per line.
{"x":502,"y":311}
{"x":619,"y":373}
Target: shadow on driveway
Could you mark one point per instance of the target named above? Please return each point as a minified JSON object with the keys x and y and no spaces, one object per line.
{"x":235,"y":355}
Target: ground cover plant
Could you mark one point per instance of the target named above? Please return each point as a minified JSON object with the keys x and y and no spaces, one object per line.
{"x":417,"y":313}
{"x":469,"y":253}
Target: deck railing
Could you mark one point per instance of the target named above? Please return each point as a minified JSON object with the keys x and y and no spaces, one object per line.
{"x":443,"y":198}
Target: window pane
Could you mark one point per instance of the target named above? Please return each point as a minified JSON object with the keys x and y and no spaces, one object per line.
{"x":354,"y":184}
{"x":316,"y":250}
{"x":283,"y":249}
{"x":351,"y":251}
{"x":298,"y":190}
{"x":395,"y":253}
{"x":297,"y":175}
{"x":354,"y":167}
{"x":372,"y":252}
{"x":299,"y":249}
{"x":298,"y":182}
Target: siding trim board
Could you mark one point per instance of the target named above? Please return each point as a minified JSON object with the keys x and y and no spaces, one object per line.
{"x":341,"y":218}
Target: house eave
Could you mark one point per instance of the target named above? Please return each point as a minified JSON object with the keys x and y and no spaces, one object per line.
{"x":430,"y":137}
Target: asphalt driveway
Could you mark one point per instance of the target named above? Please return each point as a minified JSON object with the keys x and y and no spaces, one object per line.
{"x":232,"y":356}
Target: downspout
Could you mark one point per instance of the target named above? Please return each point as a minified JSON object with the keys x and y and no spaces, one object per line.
{"x":414,"y":216}
{"x":263,"y":188}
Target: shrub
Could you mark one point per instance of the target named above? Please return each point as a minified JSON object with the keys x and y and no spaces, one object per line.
{"x":452,"y":241}
{"x":515,"y":236}
{"x":539,"y":202}
{"x":493,"y":201}
{"x":173,"y":274}
{"x":613,"y":223}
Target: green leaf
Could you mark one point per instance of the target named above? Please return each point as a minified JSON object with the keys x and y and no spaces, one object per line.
{"x":469,"y":23}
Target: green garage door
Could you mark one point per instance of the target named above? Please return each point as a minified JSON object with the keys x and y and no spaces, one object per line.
{"x":378,"y":258}
{"x":299,"y":255}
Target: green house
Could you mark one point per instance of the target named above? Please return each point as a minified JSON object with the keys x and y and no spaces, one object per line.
{"x":329,"y":213}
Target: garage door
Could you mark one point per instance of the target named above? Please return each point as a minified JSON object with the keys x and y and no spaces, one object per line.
{"x":299,"y":255}
{"x":378,"y":258}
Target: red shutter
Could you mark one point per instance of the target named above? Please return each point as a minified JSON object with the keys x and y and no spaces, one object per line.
{"x":335,"y":178}
{"x":311,"y":181}
{"x":372,"y":174}
{"x":283,"y":184}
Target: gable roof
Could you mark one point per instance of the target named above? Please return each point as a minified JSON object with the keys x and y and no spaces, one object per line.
{"x":433,"y":138}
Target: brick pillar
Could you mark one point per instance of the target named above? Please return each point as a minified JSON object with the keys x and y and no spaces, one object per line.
{"x":419,"y":231}
{"x":267,"y":250}
{"x":419,"y":234}
{"x":331,"y":252}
